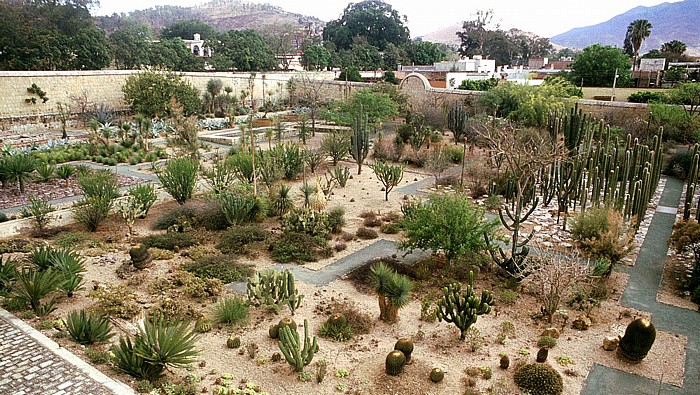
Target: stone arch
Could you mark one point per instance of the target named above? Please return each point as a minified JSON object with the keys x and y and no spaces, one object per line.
{"x":195,"y":50}
{"x":413,"y":83}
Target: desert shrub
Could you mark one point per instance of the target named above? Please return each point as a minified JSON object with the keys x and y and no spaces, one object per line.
{"x":306,"y":220}
{"x":241,"y":207}
{"x":116,"y":301}
{"x":144,"y":196}
{"x":237,"y":240}
{"x":679,"y":164}
{"x":539,"y":379}
{"x":336,"y":145}
{"x":159,"y":254}
{"x":191,"y":285}
{"x":102,"y":183}
{"x":335,"y":219}
{"x":298,"y":247}
{"x":390,"y":228}
{"x":98,"y":355}
{"x":602,"y":233}
{"x":336,"y":331}
{"x":647,"y":97}
{"x":546,"y":341}
{"x":359,"y":321}
{"x":40,"y":210}
{"x":200,"y":251}
{"x":92,"y":211}
{"x":231,"y":311}
{"x":366,"y":233}
{"x":179,"y":178}
{"x":169,"y":241}
{"x":205,"y":214}
{"x":222,"y":267}
{"x":88,"y":328}
{"x":172,"y":310}
{"x":388,"y":150}
{"x":370,"y":219}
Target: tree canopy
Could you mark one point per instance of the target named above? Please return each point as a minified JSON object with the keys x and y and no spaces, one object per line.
{"x":637,"y":31}
{"x":153,"y":92}
{"x":187,"y":28}
{"x":374,"y":20}
{"x":242,"y":50}
{"x":596,"y":65}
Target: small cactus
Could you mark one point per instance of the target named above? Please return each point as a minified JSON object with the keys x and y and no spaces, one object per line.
{"x":275,"y":329}
{"x":140,"y":256}
{"x":405,"y":345}
{"x":638,"y":339}
{"x":542,"y":354}
{"x":395,"y":362}
{"x":276,"y":357}
{"x":203,"y":325}
{"x":233,"y":342}
{"x":337,"y":319}
{"x":436,"y":375}
{"x":505,"y":362}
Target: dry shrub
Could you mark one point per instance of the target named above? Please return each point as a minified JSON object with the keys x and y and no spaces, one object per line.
{"x":360,"y":322}
{"x":477,"y":176}
{"x":347,"y":236}
{"x":372,"y":221}
{"x":602,"y":233}
{"x":366,"y":233}
{"x":387,"y":150}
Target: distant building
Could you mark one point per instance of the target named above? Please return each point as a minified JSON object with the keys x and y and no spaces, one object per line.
{"x":197,"y":47}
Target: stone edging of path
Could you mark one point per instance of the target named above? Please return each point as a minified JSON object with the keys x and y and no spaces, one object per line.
{"x":115,"y":386}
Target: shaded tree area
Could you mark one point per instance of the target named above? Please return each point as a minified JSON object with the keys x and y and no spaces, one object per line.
{"x":242,"y":50}
{"x":187,"y":28}
{"x":596,"y":65}
{"x":50,"y":36}
{"x":672,"y":51}
{"x":375,"y":21}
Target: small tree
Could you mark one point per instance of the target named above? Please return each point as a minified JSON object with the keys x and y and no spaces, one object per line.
{"x":393,"y":291}
{"x":552,"y":275}
{"x":179,"y":178}
{"x":438,"y":161}
{"x":389,"y":175}
{"x":446,"y":223}
{"x":336,"y":145}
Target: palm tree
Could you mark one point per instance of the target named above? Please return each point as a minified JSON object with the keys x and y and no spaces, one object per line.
{"x":637,"y":32}
{"x":674,"y":50}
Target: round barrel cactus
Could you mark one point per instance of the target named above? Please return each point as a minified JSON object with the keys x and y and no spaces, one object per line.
{"x":405,"y":345}
{"x":436,"y":375}
{"x":395,"y":362}
{"x":233,"y":342}
{"x":540,"y":379}
{"x":638,"y":339}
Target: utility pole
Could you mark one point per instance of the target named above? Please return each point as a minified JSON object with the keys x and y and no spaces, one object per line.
{"x":612,"y":98}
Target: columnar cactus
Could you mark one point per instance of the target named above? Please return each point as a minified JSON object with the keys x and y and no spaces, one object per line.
{"x":457,"y":118}
{"x":274,"y":289}
{"x":359,"y":140}
{"x":294,"y":352}
{"x":463,"y":308}
{"x":638,"y":339}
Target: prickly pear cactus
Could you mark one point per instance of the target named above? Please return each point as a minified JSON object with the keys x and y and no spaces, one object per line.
{"x":638,"y":339}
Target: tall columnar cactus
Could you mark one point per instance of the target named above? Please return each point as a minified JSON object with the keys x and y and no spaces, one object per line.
{"x":462,"y":308}
{"x":691,"y":182}
{"x":638,"y":339}
{"x":513,"y":263}
{"x":359,"y":140}
{"x":274,"y":289}
{"x":457,"y":118}
{"x":294,"y":352}
{"x":389,"y":175}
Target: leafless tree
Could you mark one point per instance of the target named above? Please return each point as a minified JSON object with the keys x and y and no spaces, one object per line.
{"x":309,"y":88}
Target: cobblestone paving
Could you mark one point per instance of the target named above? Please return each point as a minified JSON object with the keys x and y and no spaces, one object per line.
{"x":27,"y":367}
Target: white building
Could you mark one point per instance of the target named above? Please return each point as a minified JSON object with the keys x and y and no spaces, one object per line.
{"x":197,"y":47}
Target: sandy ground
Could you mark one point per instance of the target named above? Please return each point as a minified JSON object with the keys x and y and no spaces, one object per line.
{"x":437,"y":344}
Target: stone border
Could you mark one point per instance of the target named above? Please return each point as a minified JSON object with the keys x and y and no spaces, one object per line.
{"x":116,"y":386}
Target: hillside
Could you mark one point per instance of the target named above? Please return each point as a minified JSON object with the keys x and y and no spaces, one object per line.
{"x":670,"y":21}
{"x":224,"y":15}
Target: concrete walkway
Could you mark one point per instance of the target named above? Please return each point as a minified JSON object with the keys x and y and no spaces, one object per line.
{"x":642,"y":287}
{"x":31,"y":363}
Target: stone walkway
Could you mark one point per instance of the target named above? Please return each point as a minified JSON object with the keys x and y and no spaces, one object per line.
{"x":31,"y":363}
{"x":642,"y":287}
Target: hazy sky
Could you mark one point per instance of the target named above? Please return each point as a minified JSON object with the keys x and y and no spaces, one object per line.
{"x":543,"y":17}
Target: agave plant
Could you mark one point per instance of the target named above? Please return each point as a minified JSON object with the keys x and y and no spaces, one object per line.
{"x":31,"y":286}
{"x":88,"y":328}
{"x":65,"y":172}
{"x":72,"y":266}
{"x":157,"y":346}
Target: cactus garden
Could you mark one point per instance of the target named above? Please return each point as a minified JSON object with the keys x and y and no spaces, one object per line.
{"x":468,"y":254}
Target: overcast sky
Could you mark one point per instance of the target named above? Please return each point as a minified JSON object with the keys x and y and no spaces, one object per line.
{"x":543,"y":17}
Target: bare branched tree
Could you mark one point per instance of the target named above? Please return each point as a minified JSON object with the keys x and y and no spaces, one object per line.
{"x":552,"y":275}
{"x":309,"y":88}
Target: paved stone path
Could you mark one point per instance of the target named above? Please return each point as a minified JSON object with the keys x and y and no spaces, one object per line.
{"x":644,"y":282}
{"x":32,"y":364}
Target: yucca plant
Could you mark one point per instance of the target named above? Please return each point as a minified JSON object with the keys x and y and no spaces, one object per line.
{"x":157,"y":346}
{"x":65,"y":172}
{"x":31,"y":286}
{"x":44,"y":171}
{"x":393,"y":290}
{"x":179,"y":178}
{"x":281,"y":200}
{"x":88,"y":328}
{"x":19,"y":167}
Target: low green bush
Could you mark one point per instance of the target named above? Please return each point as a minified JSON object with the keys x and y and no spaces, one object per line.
{"x":222,"y":267}
{"x":299,"y":247}
{"x":205,"y":214}
{"x":169,"y":241}
{"x":88,"y":328}
{"x":237,"y":240}
{"x":231,"y":311}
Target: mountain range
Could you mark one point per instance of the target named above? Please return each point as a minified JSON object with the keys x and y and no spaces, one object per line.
{"x":670,"y":21}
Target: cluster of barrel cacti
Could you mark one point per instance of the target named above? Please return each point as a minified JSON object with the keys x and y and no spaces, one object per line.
{"x":399,"y":357}
{"x":274,"y":289}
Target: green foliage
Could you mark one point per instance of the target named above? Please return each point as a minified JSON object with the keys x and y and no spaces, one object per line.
{"x":222,"y":267}
{"x":8,"y":269}
{"x":297,"y":354}
{"x":18,"y":168}
{"x":116,"y":301}
{"x":298,"y":247}
{"x":290,"y":157}
{"x":393,"y":290}
{"x":241,"y":207}
{"x":150,"y":93}
{"x":335,"y":219}
{"x":463,"y":308}
{"x":478,"y":85}
{"x":377,"y":22}
{"x":144,"y":196}
{"x":350,"y":74}
{"x":44,"y":171}
{"x":602,"y":233}
{"x":316,"y":57}
{"x":677,"y":123}
{"x":242,"y":50}
{"x":306,"y":220}
{"x":647,"y":97}
{"x":237,"y":239}
{"x":281,"y":201}
{"x":273,"y":290}
{"x":179,"y":178}
{"x":447,"y":223}
{"x":169,"y":241}
{"x":539,"y":379}
{"x":596,"y":66}
{"x":32,"y":286}
{"x":241,"y":163}
{"x":196,"y":213}
{"x":546,"y":341}
{"x":156,"y":347}
{"x":389,"y":175}
{"x":231,"y":311}
{"x":88,"y":328}
{"x":39,"y":210}
{"x":336,"y":329}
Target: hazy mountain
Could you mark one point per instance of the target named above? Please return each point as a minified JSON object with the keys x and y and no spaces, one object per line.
{"x":670,"y":21}
{"x":222,"y":14}
{"x":446,"y":35}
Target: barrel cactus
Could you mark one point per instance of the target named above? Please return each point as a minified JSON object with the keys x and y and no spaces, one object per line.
{"x":539,"y":379}
{"x":638,"y":339}
{"x":140,"y":256}
{"x":542,"y":354}
{"x":405,"y":345}
{"x":504,"y":362}
{"x":286,"y":321}
{"x":395,"y":362}
{"x":436,"y":375}
{"x":337,"y":319}
{"x":202,"y":325}
{"x":233,"y":342}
